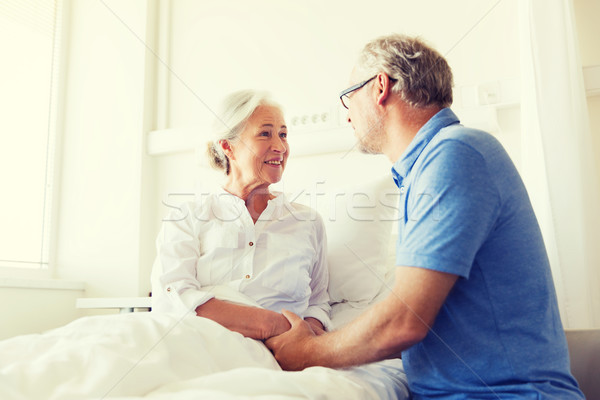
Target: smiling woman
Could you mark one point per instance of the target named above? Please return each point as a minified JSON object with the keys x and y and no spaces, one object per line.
{"x":251,"y":147}
{"x":244,"y":236}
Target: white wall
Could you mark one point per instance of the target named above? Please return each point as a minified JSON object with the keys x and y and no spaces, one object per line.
{"x":587,"y":13}
{"x":304,"y":53}
{"x":105,"y":185}
{"x":100,"y":199}
{"x":268,"y":45}
{"x":117,"y":91}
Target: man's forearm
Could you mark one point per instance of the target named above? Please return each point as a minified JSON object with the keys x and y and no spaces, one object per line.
{"x":372,"y":337}
{"x":383,"y":331}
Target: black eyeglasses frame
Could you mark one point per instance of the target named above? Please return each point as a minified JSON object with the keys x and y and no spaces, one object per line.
{"x":352,"y":89}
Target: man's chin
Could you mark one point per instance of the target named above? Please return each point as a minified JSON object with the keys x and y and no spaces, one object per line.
{"x":366,"y":149}
{"x":367,"y":146}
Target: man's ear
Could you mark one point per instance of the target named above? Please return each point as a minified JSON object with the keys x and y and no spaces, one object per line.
{"x":227,"y":148}
{"x":383,"y":87}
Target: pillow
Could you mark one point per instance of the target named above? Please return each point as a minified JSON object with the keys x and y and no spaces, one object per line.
{"x":359,"y":221}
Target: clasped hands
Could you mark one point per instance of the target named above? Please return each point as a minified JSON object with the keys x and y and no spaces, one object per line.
{"x":292,"y":347}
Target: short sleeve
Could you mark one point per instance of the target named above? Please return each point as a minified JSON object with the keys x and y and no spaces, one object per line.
{"x":450,"y":207}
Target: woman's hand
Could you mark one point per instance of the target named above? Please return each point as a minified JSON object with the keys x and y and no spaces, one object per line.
{"x":315,"y":325}
{"x":276,"y":325}
{"x":279,"y":324}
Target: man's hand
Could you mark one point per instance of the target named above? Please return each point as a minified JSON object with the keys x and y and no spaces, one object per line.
{"x":292,"y":348}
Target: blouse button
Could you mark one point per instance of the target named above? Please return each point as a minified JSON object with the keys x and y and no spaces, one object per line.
{"x":251,"y":244}
{"x":169,"y":289}
{"x":247,"y":276}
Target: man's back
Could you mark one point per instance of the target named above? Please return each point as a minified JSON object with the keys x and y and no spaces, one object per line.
{"x":466,"y":212}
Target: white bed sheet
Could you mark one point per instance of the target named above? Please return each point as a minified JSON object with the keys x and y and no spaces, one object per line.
{"x":154,"y":356}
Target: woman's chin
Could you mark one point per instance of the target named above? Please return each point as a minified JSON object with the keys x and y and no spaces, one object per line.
{"x":273,"y":178}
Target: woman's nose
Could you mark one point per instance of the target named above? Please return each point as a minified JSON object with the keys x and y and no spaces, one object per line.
{"x":278,"y":145}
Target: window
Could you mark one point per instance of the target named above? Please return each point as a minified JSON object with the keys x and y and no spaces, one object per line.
{"x":29,"y":44}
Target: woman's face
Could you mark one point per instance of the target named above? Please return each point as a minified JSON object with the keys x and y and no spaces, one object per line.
{"x":260,"y":153}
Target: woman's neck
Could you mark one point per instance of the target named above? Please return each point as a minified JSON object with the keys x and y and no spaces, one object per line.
{"x":256,"y":197}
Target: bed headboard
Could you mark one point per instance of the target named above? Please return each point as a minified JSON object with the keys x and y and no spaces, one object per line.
{"x":360,"y":219}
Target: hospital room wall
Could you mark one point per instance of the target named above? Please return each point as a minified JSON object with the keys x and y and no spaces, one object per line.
{"x":105,"y":174}
{"x":320,"y":63}
{"x":481,"y":55}
{"x":488,"y":54}
{"x":480,"y":52}
{"x":112,"y":195}
{"x":587,"y":13}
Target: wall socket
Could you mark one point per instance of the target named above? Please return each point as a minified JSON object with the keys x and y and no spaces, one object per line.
{"x":317,"y":120}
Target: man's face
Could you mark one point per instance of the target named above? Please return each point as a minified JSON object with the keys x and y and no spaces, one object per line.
{"x":364,"y":116}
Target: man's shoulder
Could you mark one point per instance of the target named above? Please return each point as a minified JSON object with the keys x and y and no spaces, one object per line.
{"x":475,"y":138}
{"x":457,"y":144}
{"x":461,"y":154}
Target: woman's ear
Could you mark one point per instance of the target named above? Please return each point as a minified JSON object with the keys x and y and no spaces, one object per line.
{"x":227,"y":148}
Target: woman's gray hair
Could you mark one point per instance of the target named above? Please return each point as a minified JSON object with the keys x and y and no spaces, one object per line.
{"x":236,"y":109}
{"x":423,"y":77}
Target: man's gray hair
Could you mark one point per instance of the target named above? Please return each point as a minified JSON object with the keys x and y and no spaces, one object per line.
{"x":235,"y":110}
{"x":423,"y":77}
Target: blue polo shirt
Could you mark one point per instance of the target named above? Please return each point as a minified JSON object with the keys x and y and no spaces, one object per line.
{"x":465,"y":211}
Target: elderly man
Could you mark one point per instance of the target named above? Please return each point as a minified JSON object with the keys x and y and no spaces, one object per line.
{"x":473,"y":311}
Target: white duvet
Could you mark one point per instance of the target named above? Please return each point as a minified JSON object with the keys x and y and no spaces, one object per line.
{"x":160,"y":356}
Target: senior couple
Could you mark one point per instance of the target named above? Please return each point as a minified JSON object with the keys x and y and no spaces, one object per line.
{"x":473,"y":311}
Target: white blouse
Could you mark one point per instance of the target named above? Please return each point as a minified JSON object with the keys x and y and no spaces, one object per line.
{"x":279,"y":262}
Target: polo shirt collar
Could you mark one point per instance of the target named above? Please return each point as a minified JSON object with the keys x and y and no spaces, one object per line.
{"x":442,"y":119}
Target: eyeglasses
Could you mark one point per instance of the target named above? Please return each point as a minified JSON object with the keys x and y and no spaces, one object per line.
{"x":344,"y":98}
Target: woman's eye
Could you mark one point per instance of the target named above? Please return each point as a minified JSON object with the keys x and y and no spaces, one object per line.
{"x":265,"y":133}
{"x":283,"y":135}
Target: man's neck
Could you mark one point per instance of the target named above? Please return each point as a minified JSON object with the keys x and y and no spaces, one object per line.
{"x":402,"y":126}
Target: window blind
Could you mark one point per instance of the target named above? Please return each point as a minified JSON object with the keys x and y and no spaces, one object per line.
{"x":30,"y":48}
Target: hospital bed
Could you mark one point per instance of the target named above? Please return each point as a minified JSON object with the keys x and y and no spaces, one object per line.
{"x":148,"y":355}
{"x":144,"y":355}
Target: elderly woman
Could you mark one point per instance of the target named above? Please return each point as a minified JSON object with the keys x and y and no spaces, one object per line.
{"x":245,"y":236}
